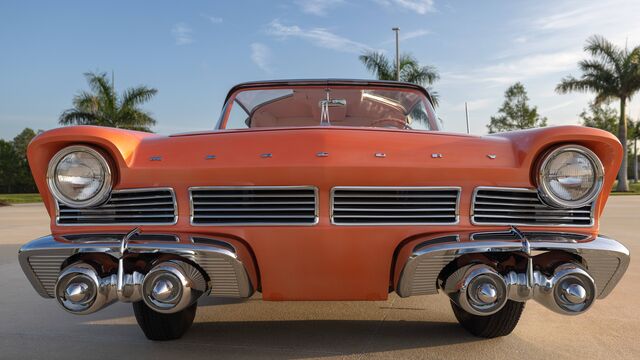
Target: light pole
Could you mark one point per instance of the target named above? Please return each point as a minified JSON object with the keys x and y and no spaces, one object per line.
{"x":397,"y":31}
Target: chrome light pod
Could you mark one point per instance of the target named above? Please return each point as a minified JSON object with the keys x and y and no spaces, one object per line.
{"x":481,"y":290}
{"x":570,"y":176}
{"x":172,"y":286}
{"x":570,"y":291}
{"x":477,"y":289}
{"x":80,"y":290}
{"x":79,"y":176}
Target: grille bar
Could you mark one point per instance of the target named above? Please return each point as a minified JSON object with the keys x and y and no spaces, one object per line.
{"x":152,"y":206}
{"x":520,"y":206}
{"x":253,"y":205}
{"x":394,"y":205}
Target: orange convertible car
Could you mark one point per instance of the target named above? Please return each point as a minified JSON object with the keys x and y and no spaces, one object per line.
{"x":325,"y":190}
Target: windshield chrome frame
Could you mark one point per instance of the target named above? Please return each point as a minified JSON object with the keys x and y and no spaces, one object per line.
{"x":400,"y":86}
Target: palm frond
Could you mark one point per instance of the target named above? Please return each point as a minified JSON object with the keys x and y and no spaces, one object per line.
{"x":134,"y":119}
{"x":135,"y":96}
{"x":606,"y":51}
{"x":435,"y":97}
{"x":425,"y":75}
{"x":103,"y":89}
{"x":570,"y":83}
{"x":378,"y":64}
{"x":76,"y":117}
{"x":86,"y":101}
{"x":101,"y":106}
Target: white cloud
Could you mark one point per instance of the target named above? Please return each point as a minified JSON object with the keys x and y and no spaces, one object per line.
{"x":413,"y":34}
{"x":570,"y":14}
{"x":478,"y":104}
{"x":320,"y":37}
{"x":261,"y":56}
{"x":419,"y":6}
{"x":182,"y":33}
{"x":532,"y":66}
{"x":518,"y":68}
{"x":520,"y":40}
{"x":317,"y":7}
{"x":212,"y":19}
{"x":548,"y":109}
{"x":409,"y":35}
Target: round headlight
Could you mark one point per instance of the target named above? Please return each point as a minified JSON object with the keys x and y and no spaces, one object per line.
{"x":570,"y":176}
{"x":79,"y":176}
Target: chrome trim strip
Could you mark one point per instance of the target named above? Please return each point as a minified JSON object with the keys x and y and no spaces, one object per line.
{"x":606,"y":260}
{"x":294,"y":187}
{"x":527,"y":190}
{"x":217,"y":258}
{"x":533,"y":236}
{"x":120,"y":191}
{"x":392,"y":188}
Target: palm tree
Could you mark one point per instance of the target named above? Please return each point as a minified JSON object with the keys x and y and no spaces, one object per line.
{"x":102,"y":106}
{"x":612,"y":73}
{"x":410,"y":70}
{"x":635,"y":136}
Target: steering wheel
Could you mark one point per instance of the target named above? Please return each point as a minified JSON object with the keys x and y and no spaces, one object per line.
{"x":400,"y":124}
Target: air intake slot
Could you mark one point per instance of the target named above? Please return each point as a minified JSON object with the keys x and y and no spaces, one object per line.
{"x":394,"y":205}
{"x":254,"y":205}
{"x":156,"y":206}
{"x":514,"y":206}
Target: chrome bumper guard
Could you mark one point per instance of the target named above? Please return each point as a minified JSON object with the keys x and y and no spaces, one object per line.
{"x":606,"y":260}
{"x":42,"y":259}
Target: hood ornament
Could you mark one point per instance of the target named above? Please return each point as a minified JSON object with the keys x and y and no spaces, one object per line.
{"x":492,"y":156}
{"x":322,"y":154}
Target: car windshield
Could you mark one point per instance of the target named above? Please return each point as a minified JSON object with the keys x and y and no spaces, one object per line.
{"x":321,"y":106}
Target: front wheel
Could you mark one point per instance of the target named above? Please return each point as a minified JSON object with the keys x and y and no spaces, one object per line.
{"x":499,"y":324}
{"x":161,"y":327}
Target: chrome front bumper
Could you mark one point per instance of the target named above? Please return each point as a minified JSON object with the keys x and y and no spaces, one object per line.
{"x":605,"y":259}
{"x":43,"y":259}
{"x":419,"y":268}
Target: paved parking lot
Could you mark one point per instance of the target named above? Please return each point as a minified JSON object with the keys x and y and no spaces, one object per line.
{"x":420,"y":327}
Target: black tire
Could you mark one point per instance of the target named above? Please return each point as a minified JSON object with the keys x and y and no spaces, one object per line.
{"x":499,"y":324}
{"x":162,"y":327}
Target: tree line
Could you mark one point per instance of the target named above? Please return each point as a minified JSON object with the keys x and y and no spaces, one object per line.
{"x":15,"y":176}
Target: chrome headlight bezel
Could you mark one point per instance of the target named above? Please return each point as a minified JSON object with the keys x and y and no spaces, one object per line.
{"x":105,"y":190}
{"x":547,"y":195}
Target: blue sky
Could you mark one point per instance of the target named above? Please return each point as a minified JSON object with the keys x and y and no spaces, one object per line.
{"x":194,"y":51}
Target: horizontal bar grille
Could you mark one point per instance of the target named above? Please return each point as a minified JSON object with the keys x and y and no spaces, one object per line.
{"x":394,"y":205}
{"x":125,"y":207}
{"x":284,"y":205}
{"x":512,"y":206}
